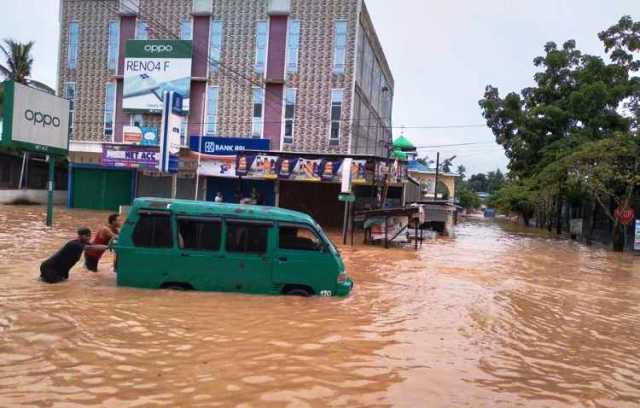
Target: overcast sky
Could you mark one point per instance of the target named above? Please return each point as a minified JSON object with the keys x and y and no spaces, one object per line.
{"x":442,"y":54}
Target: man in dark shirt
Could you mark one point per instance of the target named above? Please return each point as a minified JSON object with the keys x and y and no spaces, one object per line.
{"x":56,"y":269}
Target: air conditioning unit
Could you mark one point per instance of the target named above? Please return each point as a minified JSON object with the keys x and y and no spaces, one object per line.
{"x":202,"y":7}
{"x":129,"y":7}
{"x":279,"y":7}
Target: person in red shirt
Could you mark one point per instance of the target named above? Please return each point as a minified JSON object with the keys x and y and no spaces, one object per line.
{"x":103,"y":237}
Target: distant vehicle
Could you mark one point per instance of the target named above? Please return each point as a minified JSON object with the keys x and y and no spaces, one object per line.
{"x":178,"y":244}
{"x":490,"y":213}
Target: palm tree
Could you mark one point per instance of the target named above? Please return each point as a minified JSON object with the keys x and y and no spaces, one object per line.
{"x":19,"y":63}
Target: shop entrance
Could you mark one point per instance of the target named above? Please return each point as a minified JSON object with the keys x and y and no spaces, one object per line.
{"x":320,"y":200}
{"x":97,"y":189}
{"x":233,"y":189}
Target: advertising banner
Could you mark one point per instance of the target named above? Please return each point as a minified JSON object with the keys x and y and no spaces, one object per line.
{"x":138,"y":157}
{"x":151,"y":69}
{"x":393,"y":172}
{"x":286,"y":166}
{"x":217,"y":166}
{"x":329,"y":169}
{"x":636,"y":244}
{"x":307,"y":170}
{"x":146,"y":136}
{"x":260,"y":166}
{"x":300,"y":168}
{"x":358,"y":172}
{"x":34,"y":120}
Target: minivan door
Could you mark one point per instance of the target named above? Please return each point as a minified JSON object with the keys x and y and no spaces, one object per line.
{"x":201,"y":262}
{"x":248,"y":256}
{"x":302,"y":258}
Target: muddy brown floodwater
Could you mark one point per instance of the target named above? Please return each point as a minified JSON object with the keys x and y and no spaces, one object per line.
{"x":497,"y":317}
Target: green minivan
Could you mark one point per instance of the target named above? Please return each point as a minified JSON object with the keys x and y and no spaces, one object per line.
{"x":180,"y":244}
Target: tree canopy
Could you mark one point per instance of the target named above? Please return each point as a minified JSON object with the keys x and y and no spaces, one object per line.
{"x":19,"y":62}
{"x":576,"y":129}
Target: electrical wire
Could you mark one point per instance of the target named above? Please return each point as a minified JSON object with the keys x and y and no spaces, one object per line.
{"x":164,"y":30}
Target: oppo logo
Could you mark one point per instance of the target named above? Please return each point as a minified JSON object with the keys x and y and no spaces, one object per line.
{"x":39,"y":118}
{"x":155,"y":49}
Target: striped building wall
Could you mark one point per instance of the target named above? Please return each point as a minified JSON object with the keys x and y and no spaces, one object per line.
{"x":236,"y":78}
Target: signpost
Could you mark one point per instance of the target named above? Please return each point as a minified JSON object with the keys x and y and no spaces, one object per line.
{"x":346,"y":196}
{"x":625,"y":215}
{"x":170,"y":132}
{"x":36,"y":121}
{"x":636,"y":244}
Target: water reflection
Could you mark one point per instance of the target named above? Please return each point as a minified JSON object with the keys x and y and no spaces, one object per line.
{"x":497,"y":317}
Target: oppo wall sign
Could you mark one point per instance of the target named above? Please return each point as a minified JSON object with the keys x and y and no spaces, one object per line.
{"x":39,"y":121}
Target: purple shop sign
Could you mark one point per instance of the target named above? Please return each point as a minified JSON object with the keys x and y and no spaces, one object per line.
{"x":135,"y":157}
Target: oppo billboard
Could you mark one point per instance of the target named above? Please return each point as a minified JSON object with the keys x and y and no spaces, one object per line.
{"x":35,"y":120}
{"x":152,"y":68}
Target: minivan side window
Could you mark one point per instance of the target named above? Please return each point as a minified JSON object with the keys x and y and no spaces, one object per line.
{"x":247,"y":237}
{"x":298,"y":238}
{"x":199,"y":234}
{"x":153,"y":230}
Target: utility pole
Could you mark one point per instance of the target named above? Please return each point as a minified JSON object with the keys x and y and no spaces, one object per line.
{"x":435,"y":191}
{"x":50,"y":189}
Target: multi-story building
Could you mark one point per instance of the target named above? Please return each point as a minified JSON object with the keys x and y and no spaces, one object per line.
{"x":305,"y":76}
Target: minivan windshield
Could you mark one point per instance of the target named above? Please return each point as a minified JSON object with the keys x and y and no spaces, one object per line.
{"x":326,"y":240}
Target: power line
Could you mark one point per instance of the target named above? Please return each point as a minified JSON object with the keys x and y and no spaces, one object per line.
{"x":162,"y":29}
{"x":167,"y":31}
{"x":453,"y":145}
{"x":441,"y":127}
{"x":348,"y":123}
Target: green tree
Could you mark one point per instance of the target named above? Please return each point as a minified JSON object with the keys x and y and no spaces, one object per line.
{"x":610,"y":170}
{"x":551,"y":131}
{"x":19,"y":63}
{"x":516,"y":198}
{"x":468,"y":199}
{"x":478,"y":183}
{"x":495,"y":180}
{"x":622,"y":41}
{"x":462,"y":171}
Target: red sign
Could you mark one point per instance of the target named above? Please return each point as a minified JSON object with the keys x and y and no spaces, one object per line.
{"x":625,"y":215}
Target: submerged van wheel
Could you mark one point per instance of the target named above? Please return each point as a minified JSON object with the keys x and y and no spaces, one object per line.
{"x":176,"y":286}
{"x":297,"y":291}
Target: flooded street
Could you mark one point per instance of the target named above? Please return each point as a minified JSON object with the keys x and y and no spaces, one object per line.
{"x":497,"y":317}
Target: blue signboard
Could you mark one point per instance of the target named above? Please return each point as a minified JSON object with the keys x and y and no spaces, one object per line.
{"x":150,"y":136}
{"x":177,"y":104}
{"x":227,"y":146}
{"x":169,"y":135}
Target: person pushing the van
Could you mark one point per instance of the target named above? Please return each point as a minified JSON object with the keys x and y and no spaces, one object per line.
{"x":56,"y":269}
{"x":103,"y":237}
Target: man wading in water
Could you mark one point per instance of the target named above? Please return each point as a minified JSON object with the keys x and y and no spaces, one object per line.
{"x":56,"y":269}
{"x":103,"y":237}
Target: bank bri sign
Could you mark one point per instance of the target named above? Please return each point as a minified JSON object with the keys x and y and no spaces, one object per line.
{"x":227,"y":146}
